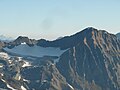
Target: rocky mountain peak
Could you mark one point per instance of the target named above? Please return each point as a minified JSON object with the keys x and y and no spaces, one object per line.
{"x":22,"y":40}
{"x":90,"y":59}
{"x":90,"y":34}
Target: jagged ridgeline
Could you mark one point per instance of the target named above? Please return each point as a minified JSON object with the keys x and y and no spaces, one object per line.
{"x":87,"y":60}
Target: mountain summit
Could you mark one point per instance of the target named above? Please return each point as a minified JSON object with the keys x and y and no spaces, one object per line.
{"x":94,"y":62}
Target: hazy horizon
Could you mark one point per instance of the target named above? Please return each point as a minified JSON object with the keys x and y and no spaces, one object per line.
{"x":51,"y":19}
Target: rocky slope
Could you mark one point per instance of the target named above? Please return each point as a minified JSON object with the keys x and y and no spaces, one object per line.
{"x":17,"y":73}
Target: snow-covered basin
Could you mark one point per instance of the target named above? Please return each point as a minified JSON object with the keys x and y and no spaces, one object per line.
{"x":36,"y":51}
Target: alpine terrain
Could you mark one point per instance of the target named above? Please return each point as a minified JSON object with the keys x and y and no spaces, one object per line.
{"x":87,"y":60}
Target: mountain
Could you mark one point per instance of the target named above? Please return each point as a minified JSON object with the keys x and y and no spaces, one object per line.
{"x":6,"y":39}
{"x":87,"y":60}
{"x":22,"y":40}
{"x":93,"y":63}
{"x":118,"y":35}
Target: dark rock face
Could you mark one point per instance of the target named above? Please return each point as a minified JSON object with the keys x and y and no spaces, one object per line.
{"x":20,"y":40}
{"x":67,"y":41}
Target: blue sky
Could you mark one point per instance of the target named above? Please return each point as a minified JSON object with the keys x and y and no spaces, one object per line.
{"x":54,"y":18}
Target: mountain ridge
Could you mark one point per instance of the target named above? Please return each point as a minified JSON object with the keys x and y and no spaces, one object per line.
{"x":90,"y":61}
{"x":56,"y":43}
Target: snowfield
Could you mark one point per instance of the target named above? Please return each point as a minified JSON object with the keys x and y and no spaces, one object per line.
{"x":35,"y":51}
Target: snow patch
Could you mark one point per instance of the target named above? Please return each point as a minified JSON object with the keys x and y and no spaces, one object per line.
{"x":71,"y":86}
{"x":10,"y":61}
{"x":23,"y":88}
{"x":35,"y":51}
{"x":1,"y":74}
{"x":26,"y":64}
{"x":1,"y":66}
{"x":19,"y":78}
{"x":3,"y":80}
{"x":23,"y":43}
{"x":25,"y":80}
{"x":44,"y":81}
{"x":10,"y":87}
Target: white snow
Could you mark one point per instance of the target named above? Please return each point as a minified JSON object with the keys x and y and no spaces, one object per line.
{"x":3,"y":80}
{"x":25,"y":80}
{"x":23,"y":88}
{"x":23,"y":43}
{"x":10,"y":61}
{"x":19,"y":77}
{"x":44,"y":81}
{"x":4,"y":55}
{"x":1,"y":66}
{"x":35,"y":51}
{"x":71,"y":86}
{"x":10,"y":87}
{"x":26,"y":64}
{"x":1,"y":74}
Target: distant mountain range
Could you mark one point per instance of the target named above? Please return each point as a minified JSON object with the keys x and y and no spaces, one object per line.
{"x":87,"y":60}
{"x":6,"y":39}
